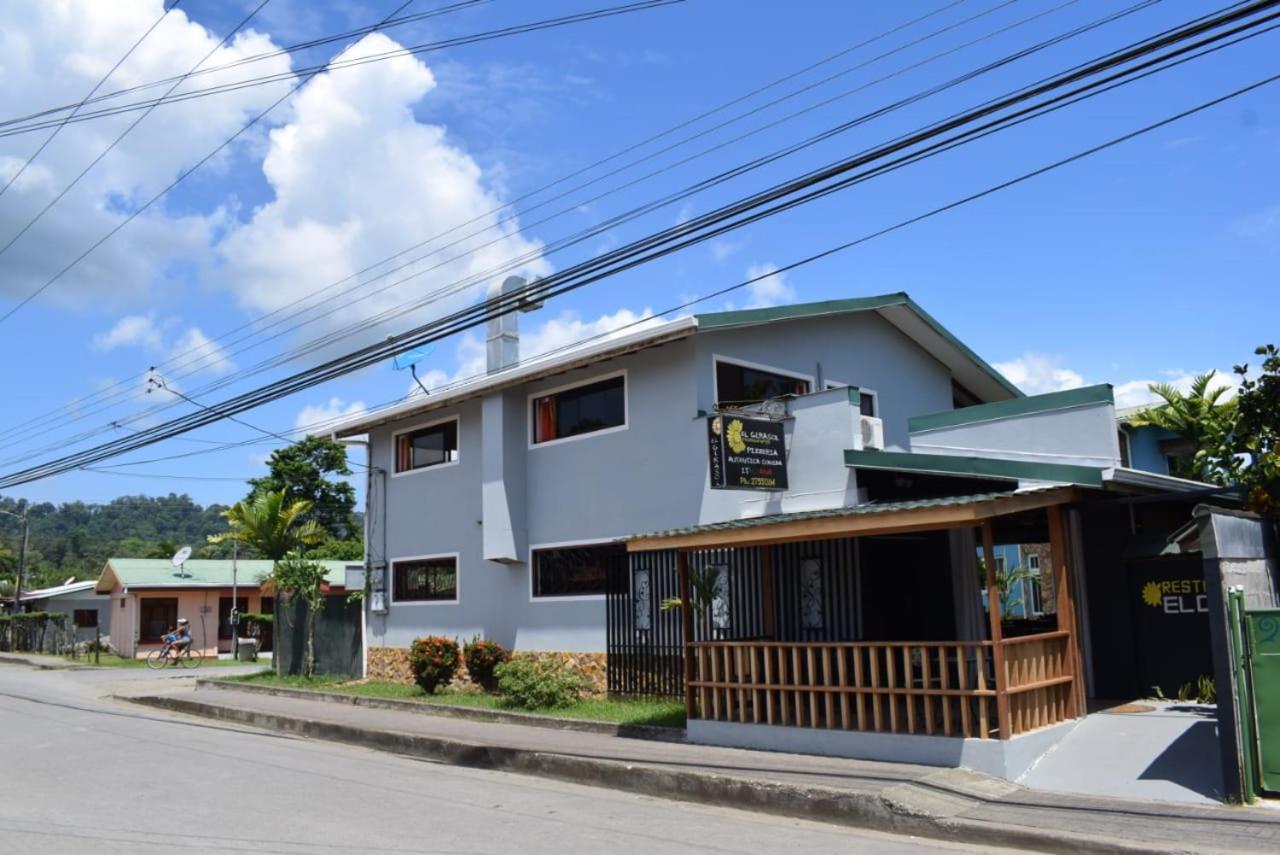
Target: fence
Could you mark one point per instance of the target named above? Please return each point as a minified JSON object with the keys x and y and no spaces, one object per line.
{"x":37,"y":632}
{"x":339,"y":643}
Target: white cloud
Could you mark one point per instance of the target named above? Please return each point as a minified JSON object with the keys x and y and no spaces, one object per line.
{"x":202,"y":352}
{"x":1036,"y":373}
{"x":772,"y":290}
{"x":130,"y":331}
{"x":316,"y":416}
{"x":722,"y":249}
{"x":565,"y":329}
{"x":1133,"y":393}
{"x":54,"y":52}
{"x":356,"y":178}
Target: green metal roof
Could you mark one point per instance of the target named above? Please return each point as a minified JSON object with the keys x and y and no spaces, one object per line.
{"x":979,"y":467}
{"x":160,"y":572}
{"x":1100,"y":394}
{"x":849,"y":511}
{"x":744,"y":317}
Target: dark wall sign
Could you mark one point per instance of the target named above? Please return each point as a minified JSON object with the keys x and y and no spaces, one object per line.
{"x":1170,"y":610}
{"x":746,"y":454}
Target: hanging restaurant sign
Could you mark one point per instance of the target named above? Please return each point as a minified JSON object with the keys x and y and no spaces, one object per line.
{"x":746,"y":454}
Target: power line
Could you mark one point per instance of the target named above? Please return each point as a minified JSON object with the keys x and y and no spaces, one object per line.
{"x":414,"y":50}
{"x":74,"y":181}
{"x":310,"y":74}
{"x":808,"y":259}
{"x":253,"y":58}
{"x":75,"y":108}
{"x":651,"y":206}
{"x":635,"y":254}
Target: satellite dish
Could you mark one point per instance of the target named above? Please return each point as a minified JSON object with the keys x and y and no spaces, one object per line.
{"x":179,"y":557}
{"x":410,"y":359}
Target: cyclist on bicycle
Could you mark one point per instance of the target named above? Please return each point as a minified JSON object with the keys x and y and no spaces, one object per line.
{"x":181,"y":638}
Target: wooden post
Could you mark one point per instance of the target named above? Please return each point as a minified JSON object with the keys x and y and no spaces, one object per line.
{"x":1061,"y":558}
{"x":766,"y":591}
{"x":993,"y":614}
{"x":686,"y":627}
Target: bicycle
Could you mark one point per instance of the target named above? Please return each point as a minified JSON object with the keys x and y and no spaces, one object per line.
{"x":163,"y":656}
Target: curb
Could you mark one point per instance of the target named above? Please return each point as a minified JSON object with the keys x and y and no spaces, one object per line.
{"x":630,"y":731}
{"x":921,"y":809}
{"x":41,"y":664}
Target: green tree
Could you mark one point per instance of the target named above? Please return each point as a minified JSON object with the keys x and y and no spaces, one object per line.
{"x":271,"y":525}
{"x":296,"y":576}
{"x":303,"y":472}
{"x":1257,"y":431}
{"x":1203,"y":418}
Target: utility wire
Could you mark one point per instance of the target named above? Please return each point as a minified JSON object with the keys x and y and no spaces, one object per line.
{"x":253,"y":58}
{"x":652,"y":206}
{"x":75,"y":108}
{"x":309,"y":75}
{"x":467,"y":319}
{"x":129,"y":129}
{"x":427,"y":47}
{"x":1112,"y":58}
{"x":116,"y":390}
{"x":795,"y":264}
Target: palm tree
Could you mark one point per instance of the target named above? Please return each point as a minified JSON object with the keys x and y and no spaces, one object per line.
{"x":1201,"y":417}
{"x":277,"y":529}
{"x":272,"y":527}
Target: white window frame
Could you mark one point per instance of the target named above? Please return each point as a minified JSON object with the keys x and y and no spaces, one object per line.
{"x":1031,"y":556}
{"x":862,"y":390}
{"x":542,"y":393}
{"x":395,"y":446}
{"x":457,"y":586}
{"x":717,"y":358}
{"x":578,"y":598}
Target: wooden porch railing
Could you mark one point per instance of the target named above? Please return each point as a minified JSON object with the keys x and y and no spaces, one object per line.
{"x":1038,"y":680}
{"x":940,"y":688}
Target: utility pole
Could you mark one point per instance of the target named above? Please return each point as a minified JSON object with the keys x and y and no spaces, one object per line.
{"x":22,"y":554}
{"x":235,"y":601}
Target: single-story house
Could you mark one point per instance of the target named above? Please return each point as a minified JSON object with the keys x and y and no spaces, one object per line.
{"x":148,"y":595}
{"x":86,"y":609}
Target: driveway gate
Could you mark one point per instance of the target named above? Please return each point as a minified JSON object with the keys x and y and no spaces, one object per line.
{"x":1262,"y":629}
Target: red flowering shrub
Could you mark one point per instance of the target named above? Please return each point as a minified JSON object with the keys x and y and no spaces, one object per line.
{"x":434,"y":660}
{"x":482,"y":656}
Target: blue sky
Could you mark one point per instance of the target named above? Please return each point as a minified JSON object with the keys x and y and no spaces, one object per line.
{"x":1150,"y":261}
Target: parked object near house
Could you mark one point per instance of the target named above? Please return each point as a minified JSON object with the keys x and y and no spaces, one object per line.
{"x":811,"y":485}
{"x":87,"y":610}
{"x":148,"y":596}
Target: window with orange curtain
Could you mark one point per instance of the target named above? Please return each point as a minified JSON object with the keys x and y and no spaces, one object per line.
{"x":582,"y":409}
{"x":430,"y":446}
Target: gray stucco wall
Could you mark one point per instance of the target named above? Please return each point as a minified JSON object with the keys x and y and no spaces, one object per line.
{"x":650,"y":476}
{"x":1083,"y":436}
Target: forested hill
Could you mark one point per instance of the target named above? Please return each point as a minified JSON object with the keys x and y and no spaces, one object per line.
{"x":76,"y":538}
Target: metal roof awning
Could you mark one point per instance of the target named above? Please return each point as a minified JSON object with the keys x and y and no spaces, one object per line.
{"x":856,"y":520}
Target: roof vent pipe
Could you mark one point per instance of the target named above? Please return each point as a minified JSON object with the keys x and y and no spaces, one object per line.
{"x":502,"y":333}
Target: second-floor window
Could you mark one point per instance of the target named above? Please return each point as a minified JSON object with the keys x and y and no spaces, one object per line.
{"x":428,"y":446}
{"x":740,"y":384}
{"x":580,"y":409}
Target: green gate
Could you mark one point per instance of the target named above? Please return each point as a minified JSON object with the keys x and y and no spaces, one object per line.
{"x":1262,"y":629}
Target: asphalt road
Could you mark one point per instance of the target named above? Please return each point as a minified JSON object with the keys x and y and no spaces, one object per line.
{"x":82,"y":773}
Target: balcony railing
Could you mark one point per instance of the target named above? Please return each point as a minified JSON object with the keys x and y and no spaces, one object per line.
{"x":945,"y":688}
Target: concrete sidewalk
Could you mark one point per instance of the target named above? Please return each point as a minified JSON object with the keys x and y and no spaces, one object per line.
{"x":942,"y":803}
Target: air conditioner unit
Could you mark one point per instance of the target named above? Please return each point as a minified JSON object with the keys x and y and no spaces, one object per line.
{"x":872,"y":432}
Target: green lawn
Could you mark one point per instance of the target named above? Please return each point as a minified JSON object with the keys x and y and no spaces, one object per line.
{"x":654,"y":713}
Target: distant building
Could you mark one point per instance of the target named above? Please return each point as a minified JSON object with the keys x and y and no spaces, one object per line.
{"x":86,"y":610}
{"x":148,"y":595}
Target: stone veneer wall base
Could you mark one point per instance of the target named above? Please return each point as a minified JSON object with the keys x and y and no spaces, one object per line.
{"x":392,"y":664}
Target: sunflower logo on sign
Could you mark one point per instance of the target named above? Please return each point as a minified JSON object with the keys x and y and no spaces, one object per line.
{"x":734,"y":435}
{"x":1151,"y":594}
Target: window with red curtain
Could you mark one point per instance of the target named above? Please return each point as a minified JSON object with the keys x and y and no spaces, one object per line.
{"x":739,"y":384}
{"x":429,"y":446}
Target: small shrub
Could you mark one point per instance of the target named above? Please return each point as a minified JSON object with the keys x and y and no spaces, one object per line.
{"x":1207,"y":690}
{"x":482,"y":656}
{"x":539,"y":683}
{"x":434,"y":660}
